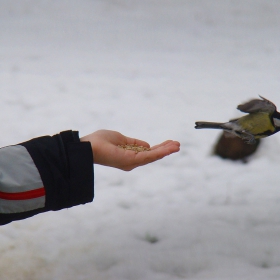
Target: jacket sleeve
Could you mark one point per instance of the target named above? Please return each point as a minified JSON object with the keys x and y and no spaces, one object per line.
{"x":44,"y":174}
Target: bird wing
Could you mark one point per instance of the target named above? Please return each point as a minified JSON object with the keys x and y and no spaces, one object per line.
{"x":257,"y":105}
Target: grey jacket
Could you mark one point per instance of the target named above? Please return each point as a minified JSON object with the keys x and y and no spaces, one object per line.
{"x":43,"y":174}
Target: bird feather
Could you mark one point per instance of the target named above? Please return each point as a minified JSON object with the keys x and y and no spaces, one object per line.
{"x":257,"y":105}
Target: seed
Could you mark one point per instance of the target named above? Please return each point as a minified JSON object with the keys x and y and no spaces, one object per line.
{"x":134,"y":147}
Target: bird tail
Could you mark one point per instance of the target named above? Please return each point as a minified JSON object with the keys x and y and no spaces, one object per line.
{"x":214,"y":125}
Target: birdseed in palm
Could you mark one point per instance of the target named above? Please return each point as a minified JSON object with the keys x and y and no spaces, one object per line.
{"x":134,"y":147}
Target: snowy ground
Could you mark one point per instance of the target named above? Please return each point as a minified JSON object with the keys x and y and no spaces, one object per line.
{"x":148,"y":69}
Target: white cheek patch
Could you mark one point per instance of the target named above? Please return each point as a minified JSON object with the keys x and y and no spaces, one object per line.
{"x":276,"y":122}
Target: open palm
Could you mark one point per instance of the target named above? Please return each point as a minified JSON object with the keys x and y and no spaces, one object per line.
{"x":106,"y":151}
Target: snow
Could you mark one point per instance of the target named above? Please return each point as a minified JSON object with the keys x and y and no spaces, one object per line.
{"x":148,"y":69}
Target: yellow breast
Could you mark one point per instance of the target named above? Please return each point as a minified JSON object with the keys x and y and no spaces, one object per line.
{"x":257,"y":123}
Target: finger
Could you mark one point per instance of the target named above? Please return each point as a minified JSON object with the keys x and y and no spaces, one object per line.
{"x":166,"y":144}
{"x":146,"y":157}
{"x":161,"y":144}
{"x":170,"y":148}
{"x":157,"y":153}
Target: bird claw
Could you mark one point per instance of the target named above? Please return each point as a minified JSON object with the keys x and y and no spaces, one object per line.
{"x":250,"y":141}
{"x":248,"y":137}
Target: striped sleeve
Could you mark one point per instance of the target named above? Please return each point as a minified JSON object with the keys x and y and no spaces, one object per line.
{"x":21,"y":187}
{"x":44,"y":174}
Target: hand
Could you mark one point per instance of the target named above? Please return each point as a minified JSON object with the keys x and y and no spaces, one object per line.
{"x":106,"y":152}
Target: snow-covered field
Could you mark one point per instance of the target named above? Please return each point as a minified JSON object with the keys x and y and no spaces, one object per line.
{"x":148,"y":69}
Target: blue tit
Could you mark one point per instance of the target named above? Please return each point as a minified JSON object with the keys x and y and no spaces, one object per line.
{"x":261,"y":121}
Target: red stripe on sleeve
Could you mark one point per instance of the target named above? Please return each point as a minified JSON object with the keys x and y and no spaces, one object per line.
{"x":23,"y":195}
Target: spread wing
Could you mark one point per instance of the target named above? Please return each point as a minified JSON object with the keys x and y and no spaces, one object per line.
{"x":257,"y":105}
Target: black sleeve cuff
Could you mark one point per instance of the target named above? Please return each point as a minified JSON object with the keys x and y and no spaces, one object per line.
{"x":66,"y":168}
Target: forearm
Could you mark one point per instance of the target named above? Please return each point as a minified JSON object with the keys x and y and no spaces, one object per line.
{"x":43,"y":174}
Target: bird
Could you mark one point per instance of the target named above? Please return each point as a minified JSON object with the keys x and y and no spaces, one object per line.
{"x":261,"y":121}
